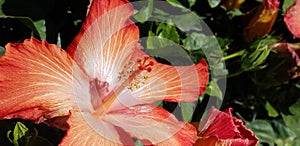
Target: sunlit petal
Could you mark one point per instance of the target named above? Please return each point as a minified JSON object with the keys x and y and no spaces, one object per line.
{"x":147,"y":122}
{"x":169,"y":83}
{"x":183,"y":83}
{"x":85,"y":130}
{"x":106,"y":40}
{"x":164,"y":82}
{"x":37,"y":81}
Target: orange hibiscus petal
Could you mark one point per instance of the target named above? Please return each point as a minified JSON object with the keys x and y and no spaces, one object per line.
{"x":106,"y":40}
{"x":173,"y":83}
{"x":164,"y":82}
{"x":291,"y":19}
{"x":153,"y":125}
{"x":111,"y":16}
{"x":37,"y":81}
{"x":182,"y":83}
{"x":85,"y":130}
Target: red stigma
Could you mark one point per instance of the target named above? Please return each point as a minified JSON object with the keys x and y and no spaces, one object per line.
{"x":151,"y":63}
{"x":149,"y":69}
{"x":141,"y":67}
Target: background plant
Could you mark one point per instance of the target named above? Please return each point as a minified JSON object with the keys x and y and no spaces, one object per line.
{"x":262,"y":74}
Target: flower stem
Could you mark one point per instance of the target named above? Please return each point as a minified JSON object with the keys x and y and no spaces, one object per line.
{"x":236,"y":54}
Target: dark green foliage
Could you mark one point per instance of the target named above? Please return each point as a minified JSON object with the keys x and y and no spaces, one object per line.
{"x":250,"y":77}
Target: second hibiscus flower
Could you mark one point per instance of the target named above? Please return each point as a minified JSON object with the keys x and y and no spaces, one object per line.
{"x":223,"y":129}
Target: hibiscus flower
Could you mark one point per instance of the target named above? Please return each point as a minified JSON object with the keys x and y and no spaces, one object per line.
{"x":103,"y":85}
{"x":259,"y":21}
{"x":291,"y":18}
{"x":221,"y":128}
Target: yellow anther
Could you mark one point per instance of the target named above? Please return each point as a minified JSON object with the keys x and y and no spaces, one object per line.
{"x":133,"y":75}
{"x":130,"y":88}
{"x":137,"y":85}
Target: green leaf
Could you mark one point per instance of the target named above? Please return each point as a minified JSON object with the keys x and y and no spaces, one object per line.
{"x":282,"y":130}
{"x":138,"y":143}
{"x":151,"y":40}
{"x":263,"y":130}
{"x":41,"y":28}
{"x":155,"y":42}
{"x":34,"y":9}
{"x":1,"y":2}
{"x":168,"y":32}
{"x":234,"y":13}
{"x":166,"y":35}
{"x":256,"y":59}
{"x":173,"y":54}
{"x":218,"y":70}
{"x":187,"y":22}
{"x":158,"y":103}
{"x":287,"y":4}
{"x":271,"y":111}
{"x":197,"y":41}
{"x":187,"y":109}
{"x":178,"y":4}
{"x":145,"y":13}
{"x":27,"y":22}
{"x":175,"y":3}
{"x":192,"y":2}
{"x":293,"y":121}
{"x":214,"y":3}
{"x":213,"y":89}
{"x":287,"y":142}
{"x":2,"y":51}
{"x":19,"y":131}
{"x":208,"y":44}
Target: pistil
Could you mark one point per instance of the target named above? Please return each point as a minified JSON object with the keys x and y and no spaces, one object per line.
{"x":128,"y":78}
